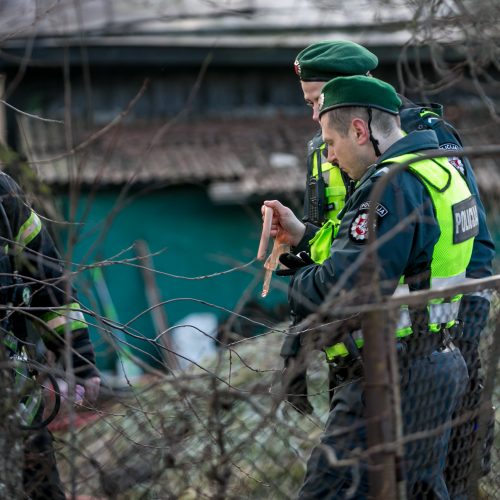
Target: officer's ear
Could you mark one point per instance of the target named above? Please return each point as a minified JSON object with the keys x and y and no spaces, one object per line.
{"x":361,"y":133}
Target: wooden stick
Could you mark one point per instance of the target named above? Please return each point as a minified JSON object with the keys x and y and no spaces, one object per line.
{"x":158,"y":313}
{"x":271,"y":264}
{"x":266,"y":232}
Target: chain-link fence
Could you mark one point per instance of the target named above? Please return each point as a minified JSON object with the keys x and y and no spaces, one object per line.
{"x":392,"y":417}
{"x":222,"y":431}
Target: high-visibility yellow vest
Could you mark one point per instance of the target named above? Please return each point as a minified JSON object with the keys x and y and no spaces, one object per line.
{"x":335,"y":197}
{"x":456,"y":214}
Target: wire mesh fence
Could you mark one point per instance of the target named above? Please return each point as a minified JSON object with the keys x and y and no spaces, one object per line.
{"x":383,"y":422}
{"x":392,"y":417}
{"x":223,"y":430}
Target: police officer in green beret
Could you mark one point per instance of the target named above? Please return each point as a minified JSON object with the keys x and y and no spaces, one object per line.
{"x":360,"y":123}
{"x":327,"y":185}
{"x":327,"y":188}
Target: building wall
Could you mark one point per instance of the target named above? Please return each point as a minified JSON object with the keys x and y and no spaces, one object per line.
{"x":194,"y":237}
{"x":198,"y":237}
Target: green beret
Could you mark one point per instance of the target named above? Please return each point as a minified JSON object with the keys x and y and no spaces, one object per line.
{"x":364,"y":91}
{"x":325,"y":60}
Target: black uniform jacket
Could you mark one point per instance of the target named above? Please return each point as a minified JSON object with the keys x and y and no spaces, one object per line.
{"x":407,"y":250}
{"x":29,"y":249}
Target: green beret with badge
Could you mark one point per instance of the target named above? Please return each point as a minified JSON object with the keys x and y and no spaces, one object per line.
{"x":325,"y":60}
{"x":359,"y":91}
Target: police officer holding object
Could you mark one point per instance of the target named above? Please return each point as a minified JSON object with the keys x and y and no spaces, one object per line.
{"x":327,"y":185}
{"x":361,"y":128}
{"x":34,"y":284}
{"x":326,"y":189}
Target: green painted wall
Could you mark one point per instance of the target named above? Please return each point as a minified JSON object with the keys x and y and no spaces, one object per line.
{"x":196,"y":238}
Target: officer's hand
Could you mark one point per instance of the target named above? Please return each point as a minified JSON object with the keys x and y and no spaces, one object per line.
{"x":294,"y":382}
{"x":62,"y":391}
{"x":286,"y":228}
{"x":293,"y":262}
{"x":92,"y":386}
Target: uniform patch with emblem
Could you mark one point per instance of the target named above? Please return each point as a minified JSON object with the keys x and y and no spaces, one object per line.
{"x":449,"y":146}
{"x":455,"y":161}
{"x":465,"y":220}
{"x":380,"y":210}
{"x":358,"y":231}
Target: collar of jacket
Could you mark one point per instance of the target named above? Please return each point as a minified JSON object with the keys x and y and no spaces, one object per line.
{"x":411,"y":143}
{"x":411,"y":116}
{"x":316,"y":141}
{"x":418,"y":140}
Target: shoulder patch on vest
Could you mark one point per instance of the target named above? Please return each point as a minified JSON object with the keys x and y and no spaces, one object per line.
{"x":449,"y":146}
{"x":455,"y":161}
{"x":465,"y":220}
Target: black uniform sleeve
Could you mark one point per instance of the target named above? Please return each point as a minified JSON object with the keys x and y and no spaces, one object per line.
{"x":303,"y":244}
{"x":34,"y":256}
{"x":407,"y":250}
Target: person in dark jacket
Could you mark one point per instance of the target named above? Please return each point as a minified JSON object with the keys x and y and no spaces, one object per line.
{"x":35,"y":285}
{"x":315,"y":65}
{"x":361,"y":128}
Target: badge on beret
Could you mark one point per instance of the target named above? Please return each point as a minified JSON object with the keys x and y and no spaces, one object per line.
{"x":296,"y":67}
{"x":321,"y":100}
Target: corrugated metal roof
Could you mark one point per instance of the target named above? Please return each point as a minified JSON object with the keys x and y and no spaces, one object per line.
{"x":138,"y":16}
{"x":236,"y":158}
{"x":200,"y":23}
{"x":253,"y":153}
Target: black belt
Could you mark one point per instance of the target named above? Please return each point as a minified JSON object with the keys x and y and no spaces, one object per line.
{"x":345,"y":372}
{"x":424,"y":344}
{"x":412,"y":347}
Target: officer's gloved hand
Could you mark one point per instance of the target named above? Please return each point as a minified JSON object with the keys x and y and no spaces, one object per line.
{"x":293,"y":262}
{"x":294,"y":382}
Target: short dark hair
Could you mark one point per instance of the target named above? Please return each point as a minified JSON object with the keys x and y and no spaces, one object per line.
{"x":340,"y":119}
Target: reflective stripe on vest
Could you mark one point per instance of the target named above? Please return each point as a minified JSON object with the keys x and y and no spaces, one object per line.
{"x":63,"y":317}
{"x":449,"y":259}
{"x":440,"y":311}
{"x":28,"y":232}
